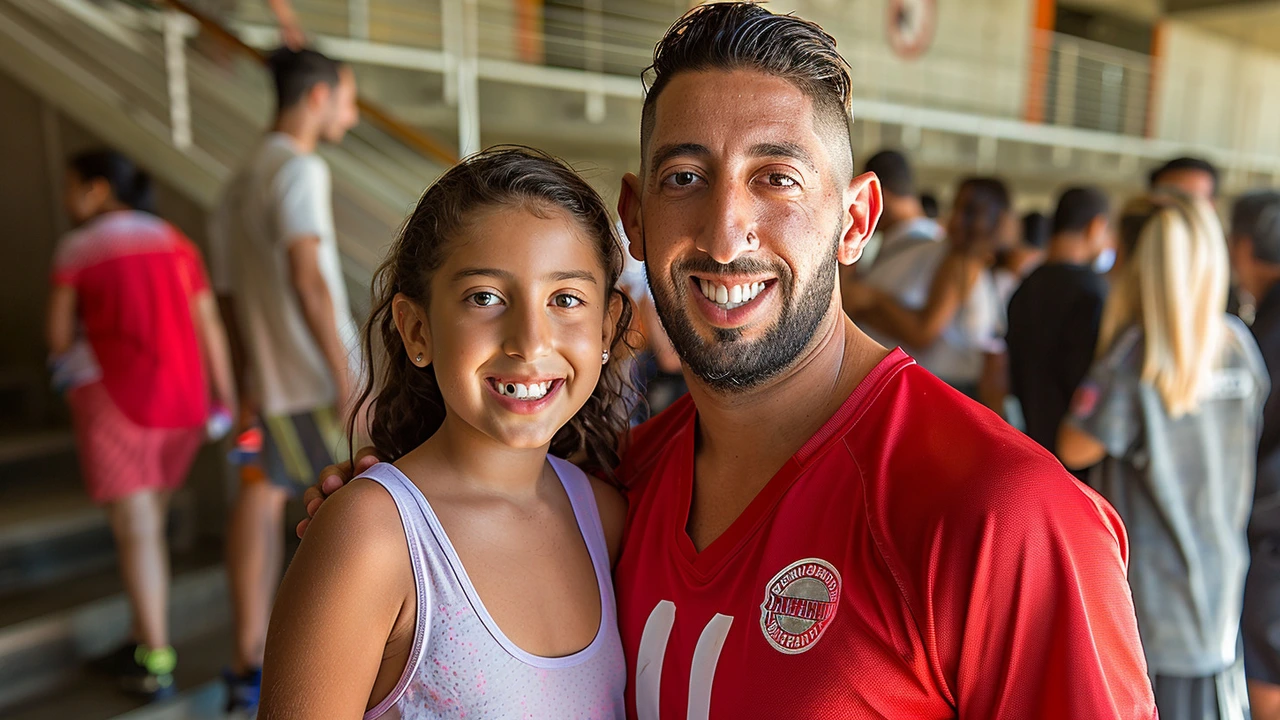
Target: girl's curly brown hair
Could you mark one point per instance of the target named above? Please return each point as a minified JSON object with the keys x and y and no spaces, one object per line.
{"x":407,"y":407}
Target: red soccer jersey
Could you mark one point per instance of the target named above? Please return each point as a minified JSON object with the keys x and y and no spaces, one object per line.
{"x":917,"y":558}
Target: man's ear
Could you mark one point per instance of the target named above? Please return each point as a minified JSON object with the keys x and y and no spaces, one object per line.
{"x":319,"y":95}
{"x":863,"y":204}
{"x":629,"y":214}
{"x":1097,"y":227}
{"x":415,"y":331}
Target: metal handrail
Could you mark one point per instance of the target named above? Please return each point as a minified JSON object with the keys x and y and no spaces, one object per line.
{"x":414,"y":138}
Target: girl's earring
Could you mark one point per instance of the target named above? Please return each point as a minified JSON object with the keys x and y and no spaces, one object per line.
{"x":418,"y":359}
{"x":604,"y":357}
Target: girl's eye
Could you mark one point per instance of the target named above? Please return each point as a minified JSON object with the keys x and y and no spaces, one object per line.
{"x":566,"y":301}
{"x":485,"y":299}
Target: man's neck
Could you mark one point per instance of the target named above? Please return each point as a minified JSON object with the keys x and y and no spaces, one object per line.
{"x":299,"y":127}
{"x":745,"y":438}
{"x":1068,"y":249}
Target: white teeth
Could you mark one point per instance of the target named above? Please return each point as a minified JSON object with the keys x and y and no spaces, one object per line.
{"x":521,"y":391}
{"x":730,"y":297}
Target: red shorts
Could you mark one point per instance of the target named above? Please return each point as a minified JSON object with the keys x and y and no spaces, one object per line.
{"x":118,"y":457}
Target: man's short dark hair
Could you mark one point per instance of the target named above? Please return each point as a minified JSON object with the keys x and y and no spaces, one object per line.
{"x":297,"y":71}
{"x":894,"y":172}
{"x":1078,"y":207}
{"x":1256,"y":215}
{"x":1035,"y":229}
{"x":929,"y":204}
{"x":744,"y":36}
{"x":1184,"y":163}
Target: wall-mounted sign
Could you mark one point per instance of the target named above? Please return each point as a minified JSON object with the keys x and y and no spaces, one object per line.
{"x":911,"y":25}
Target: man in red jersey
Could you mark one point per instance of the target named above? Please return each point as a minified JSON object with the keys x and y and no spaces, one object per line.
{"x":821,"y":529}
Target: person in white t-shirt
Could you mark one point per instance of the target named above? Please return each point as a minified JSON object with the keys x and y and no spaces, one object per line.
{"x":938,"y":299}
{"x":276,"y":268}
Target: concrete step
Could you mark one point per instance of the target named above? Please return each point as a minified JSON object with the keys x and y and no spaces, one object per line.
{"x":202,"y":696}
{"x":47,"y":634}
{"x":50,"y":531}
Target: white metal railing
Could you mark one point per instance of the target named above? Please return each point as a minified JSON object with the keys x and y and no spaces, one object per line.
{"x":1094,"y":86}
{"x":1081,"y":83}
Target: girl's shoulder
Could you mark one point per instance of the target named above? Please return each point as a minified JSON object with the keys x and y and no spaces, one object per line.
{"x":361,"y":518}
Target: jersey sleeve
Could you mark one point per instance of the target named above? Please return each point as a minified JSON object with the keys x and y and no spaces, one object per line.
{"x":1107,"y":403}
{"x":191,"y":265}
{"x":1042,"y":622}
{"x":302,"y":188}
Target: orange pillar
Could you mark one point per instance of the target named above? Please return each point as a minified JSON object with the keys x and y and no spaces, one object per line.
{"x":529,"y":31}
{"x":1156,"y":71}
{"x":1038,"y":61}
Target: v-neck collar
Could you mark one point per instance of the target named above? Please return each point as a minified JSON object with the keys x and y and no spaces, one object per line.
{"x":706,"y":564}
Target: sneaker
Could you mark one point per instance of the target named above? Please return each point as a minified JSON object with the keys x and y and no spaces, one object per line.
{"x":150,"y":674}
{"x":243,"y":691}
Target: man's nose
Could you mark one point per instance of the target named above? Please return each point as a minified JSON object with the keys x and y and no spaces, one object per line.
{"x":731,"y":234}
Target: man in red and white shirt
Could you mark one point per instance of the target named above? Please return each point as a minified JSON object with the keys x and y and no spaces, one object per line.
{"x":821,"y":528}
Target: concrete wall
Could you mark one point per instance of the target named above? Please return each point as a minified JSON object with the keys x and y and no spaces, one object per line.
{"x":1213,"y":90}
{"x":977,"y":61}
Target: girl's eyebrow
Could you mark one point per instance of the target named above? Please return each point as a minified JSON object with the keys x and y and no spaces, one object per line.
{"x":508,"y":276}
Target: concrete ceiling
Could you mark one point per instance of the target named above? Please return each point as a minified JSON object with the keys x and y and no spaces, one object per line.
{"x":1251,"y":22}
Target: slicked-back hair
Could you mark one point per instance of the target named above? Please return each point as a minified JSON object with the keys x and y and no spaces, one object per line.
{"x":295,"y":72}
{"x":744,"y":36}
{"x":893,"y":171}
{"x":1078,"y":207}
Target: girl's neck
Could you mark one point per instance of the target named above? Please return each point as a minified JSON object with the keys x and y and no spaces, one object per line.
{"x":477,"y":462}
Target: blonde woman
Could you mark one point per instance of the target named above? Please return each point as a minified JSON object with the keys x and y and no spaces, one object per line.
{"x":1170,"y":414}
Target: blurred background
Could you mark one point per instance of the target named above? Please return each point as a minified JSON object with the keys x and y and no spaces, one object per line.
{"x":1042,"y":93}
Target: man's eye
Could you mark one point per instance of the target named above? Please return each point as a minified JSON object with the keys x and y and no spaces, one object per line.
{"x":782,"y":180}
{"x":566,"y":301}
{"x":485,"y":299}
{"x":683,"y":178}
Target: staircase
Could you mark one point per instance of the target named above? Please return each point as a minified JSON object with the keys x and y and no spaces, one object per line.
{"x":119,"y":69}
{"x":61,"y":600}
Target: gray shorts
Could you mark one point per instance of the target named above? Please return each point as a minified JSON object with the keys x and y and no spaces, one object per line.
{"x":295,"y":448}
{"x":1217,"y":697}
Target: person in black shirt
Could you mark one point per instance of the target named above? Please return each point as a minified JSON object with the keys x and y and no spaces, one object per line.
{"x":1054,"y":315}
{"x":1255,"y":256}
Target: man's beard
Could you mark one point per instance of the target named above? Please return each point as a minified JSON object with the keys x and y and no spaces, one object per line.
{"x":731,"y":363}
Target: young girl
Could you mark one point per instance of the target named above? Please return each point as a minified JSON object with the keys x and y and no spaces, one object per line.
{"x":136,"y":381}
{"x":1170,"y":414}
{"x":499,"y":324}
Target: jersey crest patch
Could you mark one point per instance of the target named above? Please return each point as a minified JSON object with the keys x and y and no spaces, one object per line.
{"x":799,"y":604}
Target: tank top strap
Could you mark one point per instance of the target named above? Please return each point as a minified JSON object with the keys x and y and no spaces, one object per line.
{"x":418,"y":533}
{"x":583,"y":499}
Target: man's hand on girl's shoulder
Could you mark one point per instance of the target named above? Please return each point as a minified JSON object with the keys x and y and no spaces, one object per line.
{"x":332,"y":478}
